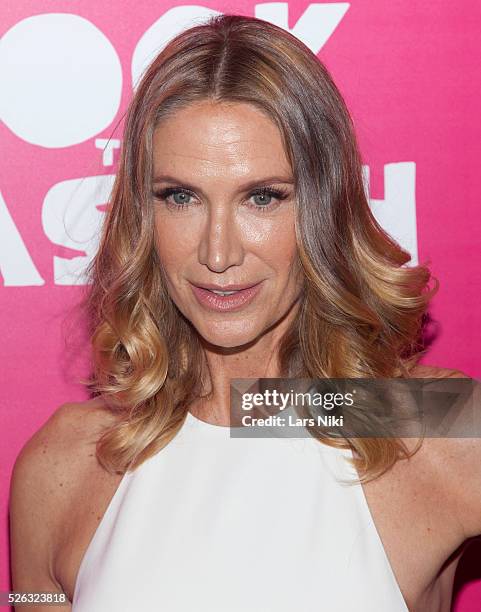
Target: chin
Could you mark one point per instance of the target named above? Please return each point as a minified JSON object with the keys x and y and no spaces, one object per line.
{"x":230,"y":334}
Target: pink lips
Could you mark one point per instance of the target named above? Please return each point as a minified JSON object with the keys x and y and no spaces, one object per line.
{"x":227,"y":303}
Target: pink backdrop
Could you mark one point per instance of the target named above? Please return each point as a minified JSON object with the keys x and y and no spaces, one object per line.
{"x":410,"y":74}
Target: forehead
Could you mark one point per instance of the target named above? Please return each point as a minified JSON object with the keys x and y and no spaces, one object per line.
{"x":219,"y":139}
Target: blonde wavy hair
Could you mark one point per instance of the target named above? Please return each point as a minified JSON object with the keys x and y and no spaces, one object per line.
{"x":362,"y":312}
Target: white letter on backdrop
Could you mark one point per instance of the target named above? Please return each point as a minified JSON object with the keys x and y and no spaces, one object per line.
{"x":397,"y":212}
{"x":16,"y":265}
{"x":314,"y":26}
{"x":71,"y":219}
{"x":161,"y":31}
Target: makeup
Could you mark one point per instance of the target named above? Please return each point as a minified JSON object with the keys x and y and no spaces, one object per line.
{"x":234,"y":300}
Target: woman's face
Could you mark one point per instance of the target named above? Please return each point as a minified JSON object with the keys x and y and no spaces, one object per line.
{"x":215,"y":227}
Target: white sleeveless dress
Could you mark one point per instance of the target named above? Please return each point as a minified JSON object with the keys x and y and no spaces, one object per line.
{"x":213,"y":523}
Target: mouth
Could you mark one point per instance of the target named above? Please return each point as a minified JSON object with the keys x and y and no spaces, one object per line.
{"x":224,"y":288}
{"x":226,"y":298}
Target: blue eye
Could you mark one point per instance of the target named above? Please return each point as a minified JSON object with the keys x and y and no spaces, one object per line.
{"x":269,"y":193}
{"x":263,"y":197}
{"x":175,"y":192}
{"x":182,"y":195}
{"x":181,"y":198}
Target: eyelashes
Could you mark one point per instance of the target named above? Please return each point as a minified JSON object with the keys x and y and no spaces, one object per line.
{"x":277,"y":193}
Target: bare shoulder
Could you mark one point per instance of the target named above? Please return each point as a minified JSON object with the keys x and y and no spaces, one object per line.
{"x":63,"y":444}
{"x":458,"y":460}
{"x":46,"y":481}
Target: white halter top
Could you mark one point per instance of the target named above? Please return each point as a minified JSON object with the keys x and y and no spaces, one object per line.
{"x":213,"y":523}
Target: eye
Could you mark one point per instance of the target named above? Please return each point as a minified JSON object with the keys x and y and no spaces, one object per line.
{"x":180,"y":197}
{"x":265,"y":195}
{"x":263,"y":198}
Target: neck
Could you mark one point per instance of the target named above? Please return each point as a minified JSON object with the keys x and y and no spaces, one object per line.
{"x":257,"y":359}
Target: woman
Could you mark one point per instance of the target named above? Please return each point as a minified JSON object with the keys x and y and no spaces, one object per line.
{"x":239,"y":244}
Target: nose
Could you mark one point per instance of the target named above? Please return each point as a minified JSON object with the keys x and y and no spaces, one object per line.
{"x":221,"y":245}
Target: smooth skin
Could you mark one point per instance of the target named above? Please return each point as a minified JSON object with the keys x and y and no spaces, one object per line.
{"x":215,"y":231}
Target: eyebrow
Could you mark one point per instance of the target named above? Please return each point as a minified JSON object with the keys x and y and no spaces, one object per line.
{"x":164,"y":178}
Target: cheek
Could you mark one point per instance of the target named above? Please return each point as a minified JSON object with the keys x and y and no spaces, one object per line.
{"x":275,"y":243}
{"x":174,"y":240}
